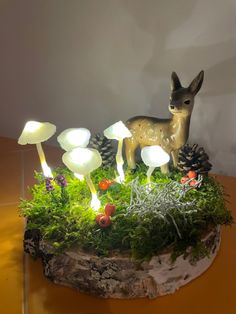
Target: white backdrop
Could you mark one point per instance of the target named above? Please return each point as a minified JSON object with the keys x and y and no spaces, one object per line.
{"x":93,"y":62}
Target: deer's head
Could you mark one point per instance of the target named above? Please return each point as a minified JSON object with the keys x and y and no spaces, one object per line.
{"x":182,"y":98}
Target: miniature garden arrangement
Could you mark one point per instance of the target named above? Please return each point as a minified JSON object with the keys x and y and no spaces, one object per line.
{"x":126,"y":230}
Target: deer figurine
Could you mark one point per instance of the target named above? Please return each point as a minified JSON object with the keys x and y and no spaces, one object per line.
{"x":171,"y":134}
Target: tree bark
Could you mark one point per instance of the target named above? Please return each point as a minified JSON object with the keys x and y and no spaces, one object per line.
{"x":120,"y":276}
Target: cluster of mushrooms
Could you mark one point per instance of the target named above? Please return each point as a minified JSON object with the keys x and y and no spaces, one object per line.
{"x":82,"y":160}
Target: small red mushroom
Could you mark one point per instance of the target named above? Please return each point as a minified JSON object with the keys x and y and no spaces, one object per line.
{"x":109,"y":209}
{"x":98,"y":217}
{"x":104,"y":221}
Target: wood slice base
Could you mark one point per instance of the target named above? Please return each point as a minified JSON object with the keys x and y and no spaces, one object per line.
{"x":120,"y":276}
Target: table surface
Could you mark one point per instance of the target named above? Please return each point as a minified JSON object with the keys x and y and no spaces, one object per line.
{"x":24,"y":289}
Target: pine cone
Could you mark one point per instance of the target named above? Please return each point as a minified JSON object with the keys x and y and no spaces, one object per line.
{"x":193,"y":158}
{"x":105,"y":148}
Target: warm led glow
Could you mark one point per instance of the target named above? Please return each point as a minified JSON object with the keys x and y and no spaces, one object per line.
{"x":72,"y":138}
{"x":81,"y":156}
{"x":154,"y":156}
{"x":79,"y":176}
{"x":36,"y":132}
{"x":82,"y":160}
{"x":117,"y":131}
{"x":78,"y":138}
{"x":121,"y":173}
{"x":95,"y":202}
{"x":32,"y":126}
{"x":46,"y":170}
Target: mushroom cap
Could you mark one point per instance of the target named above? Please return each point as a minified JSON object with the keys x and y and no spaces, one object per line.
{"x":82,"y":160}
{"x":154,"y":156}
{"x":74,"y":137}
{"x":36,"y":132}
{"x":117,"y":131}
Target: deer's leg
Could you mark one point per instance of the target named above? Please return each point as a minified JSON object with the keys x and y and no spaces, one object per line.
{"x":165,"y":168}
{"x":130,"y":147}
{"x":175,"y":157}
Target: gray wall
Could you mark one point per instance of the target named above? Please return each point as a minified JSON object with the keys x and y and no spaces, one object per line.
{"x":92,"y":62}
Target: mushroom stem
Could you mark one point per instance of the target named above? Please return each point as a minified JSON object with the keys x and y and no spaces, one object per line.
{"x":120,"y":161}
{"x":46,"y":170}
{"x":149,"y":173}
{"x":95,"y":202}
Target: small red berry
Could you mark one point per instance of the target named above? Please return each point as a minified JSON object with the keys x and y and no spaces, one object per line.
{"x":105,"y":184}
{"x":110,"y":209}
{"x":193,"y":183}
{"x":192,"y":174}
{"x":104,"y":221}
{"x":98,"y":217}
{"x":184,"y":179}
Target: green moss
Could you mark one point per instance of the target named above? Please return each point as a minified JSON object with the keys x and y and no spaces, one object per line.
{"x":64,"y":217}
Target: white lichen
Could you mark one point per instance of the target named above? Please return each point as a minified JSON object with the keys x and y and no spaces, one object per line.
{"x":161,"y":199}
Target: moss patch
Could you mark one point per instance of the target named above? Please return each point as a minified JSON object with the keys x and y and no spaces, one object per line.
{"x":64,"y":217}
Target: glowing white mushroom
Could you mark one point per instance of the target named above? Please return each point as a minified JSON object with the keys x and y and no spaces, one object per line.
{"x":118,"y":131}
{"x":83,"y":161}
{"x":153,"y":156}
{"x":72,"y":138}
{"x":36,"y":132}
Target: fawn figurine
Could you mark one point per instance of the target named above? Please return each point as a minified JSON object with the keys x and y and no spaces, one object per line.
{"x":171,"y":134}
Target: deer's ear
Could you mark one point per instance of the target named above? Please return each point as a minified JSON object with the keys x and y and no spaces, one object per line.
{"x":175,"y":82}
{"x":196,"y":84}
